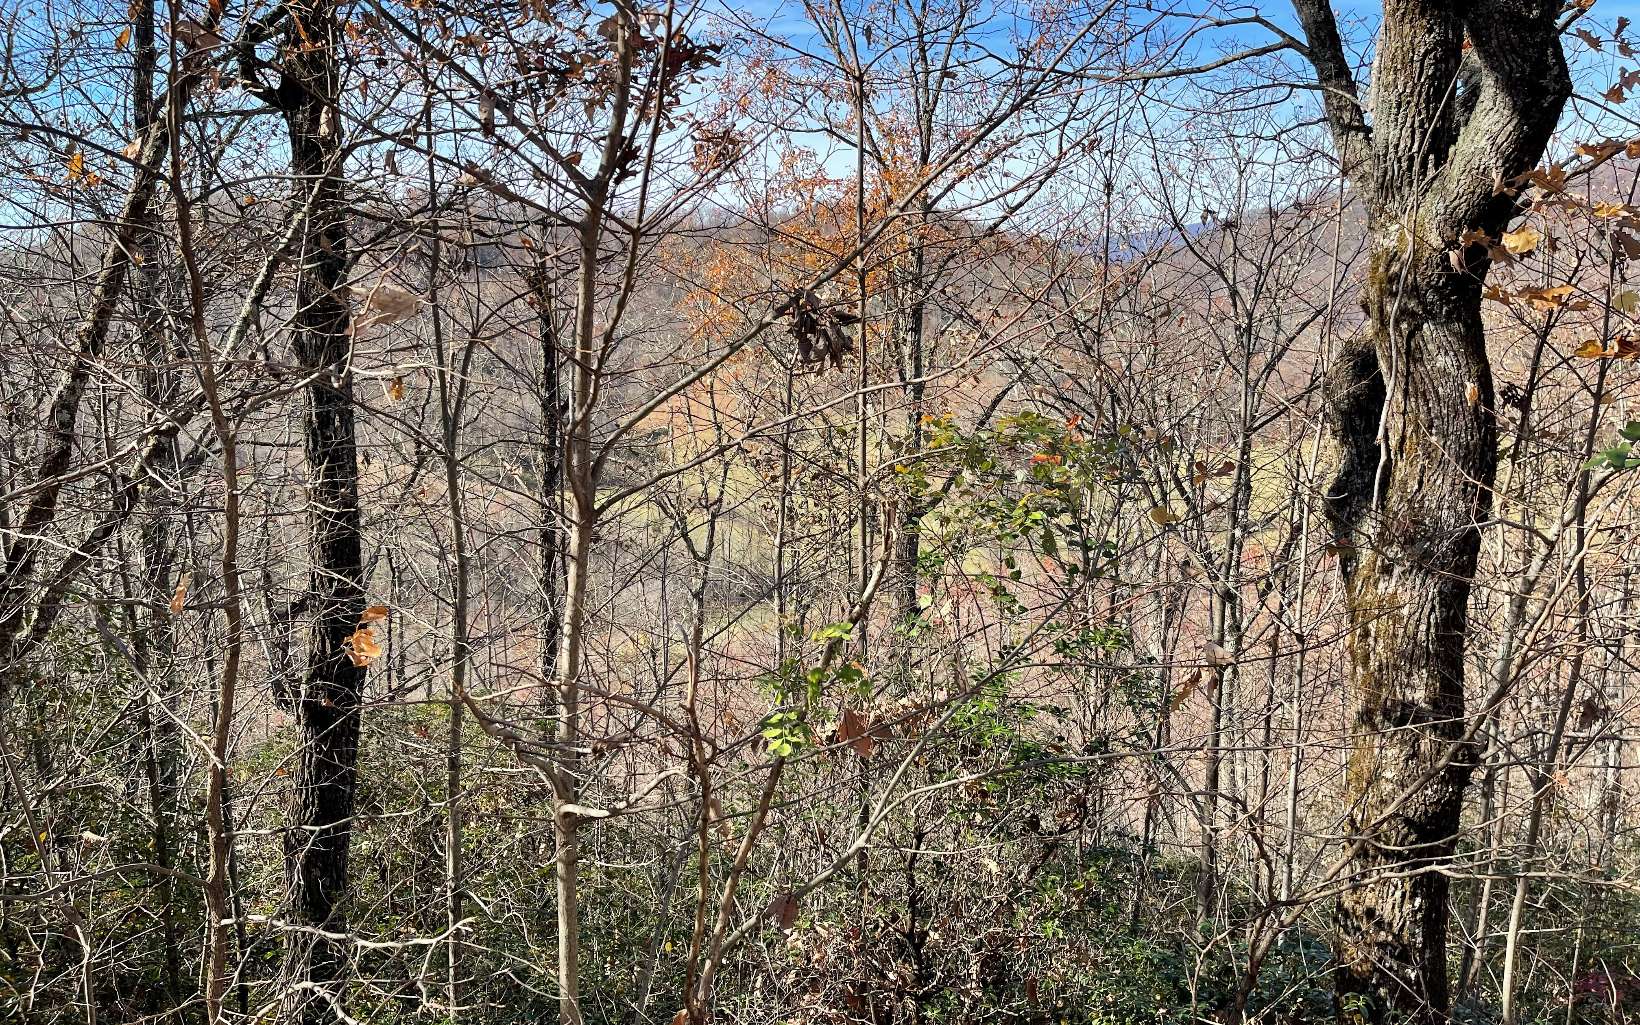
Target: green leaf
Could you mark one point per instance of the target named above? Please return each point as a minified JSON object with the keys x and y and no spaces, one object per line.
{"x":834,"y":632}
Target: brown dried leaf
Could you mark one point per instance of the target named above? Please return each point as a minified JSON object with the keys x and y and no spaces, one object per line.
{"x":1182,"y":695}
{"x":783,"y":909}
{"x":383,"y":303}
{"x":362,"y":646}
{"x":853,"y":731}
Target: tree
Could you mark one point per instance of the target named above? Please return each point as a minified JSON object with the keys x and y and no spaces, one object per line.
{"x":1464,"y":100}
{"x":327,"y":698}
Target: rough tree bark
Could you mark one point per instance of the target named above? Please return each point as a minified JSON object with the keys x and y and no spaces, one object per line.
{"x":1464,"y":99}
{"x":320,"y":824}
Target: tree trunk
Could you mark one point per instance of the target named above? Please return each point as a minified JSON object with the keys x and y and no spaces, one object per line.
{"x":154,"y":641}
{"x":1416,"y":503}
{"x":1464,"y":100}
{"x":320,"y":825}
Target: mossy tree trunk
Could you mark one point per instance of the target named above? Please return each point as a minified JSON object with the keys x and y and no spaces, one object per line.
{"x":1464,"y":100}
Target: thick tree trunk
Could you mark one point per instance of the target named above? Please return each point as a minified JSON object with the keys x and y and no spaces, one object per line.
{"x":1464,"y":100}
{"x":320,"y":826}
{"x":1411,"y":407}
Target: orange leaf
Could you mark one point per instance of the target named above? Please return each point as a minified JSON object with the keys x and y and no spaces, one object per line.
{"x":1182,"y":695}
{"x":362,"y":646}
{"x":374,"y":614}
{"x":181,"y":596}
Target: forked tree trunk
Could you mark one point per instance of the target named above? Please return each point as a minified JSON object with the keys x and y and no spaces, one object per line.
{"x":1464,"y":100}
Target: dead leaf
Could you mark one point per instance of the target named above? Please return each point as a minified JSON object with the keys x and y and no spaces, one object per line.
{"x":1182,"y":695}
{"x":194,"y":36}
{"x":1550,"y":179}
{"x":1162,"y":516}
{"x":853,"y":731}
{"x":124,"y":38}
{"x":783,"y":909}
{"x":181,"y":597}
{"x":374,"y":614}
{"x":1598,"y":152}
{"x":383,"y":303}
{"x":1547,"y":298}
{"x":362,"y":646}
{"x":1624,"y":347}
{"x":1521,"y":241}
